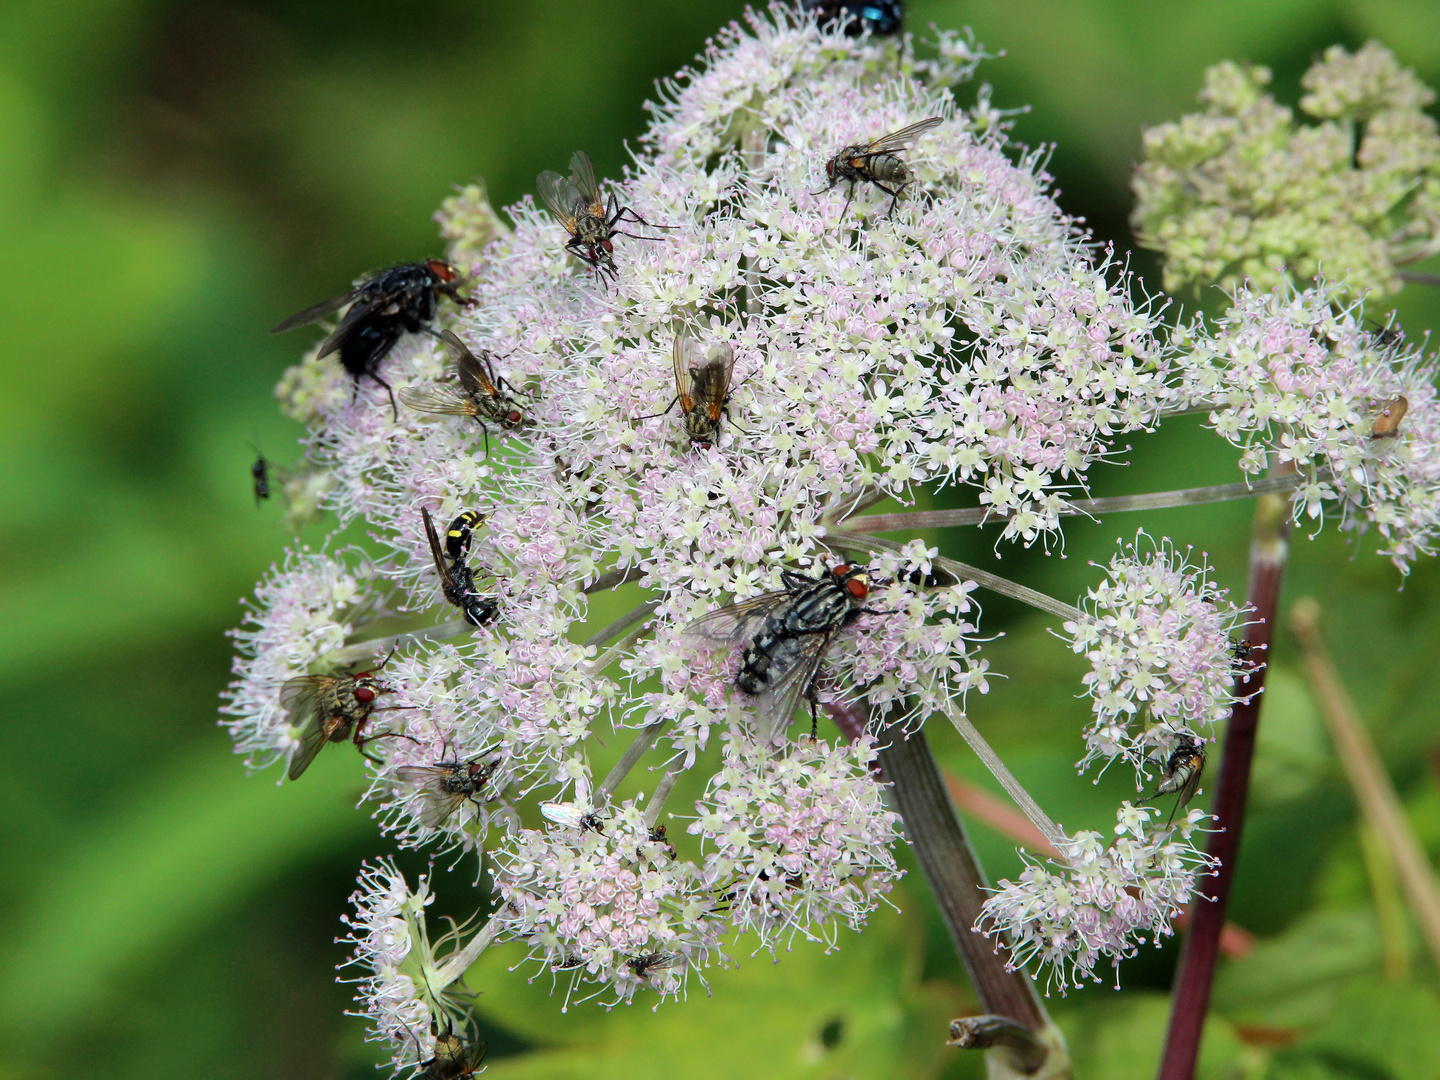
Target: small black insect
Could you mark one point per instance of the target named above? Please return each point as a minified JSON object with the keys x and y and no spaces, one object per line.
{"x":572,"y":816}
{"x":656,"y":961}
{"x":457,"y":536}
{"x":702,"y":387}
{"x":447,"y":784}
{"x":657,"y":836}
{"x":330,"y":708}
{"x":384,"y":305}
{"x":855,"y":17}
{"x":260,"y":475}
{"x":786,"y":635}
{"x":877,"y":163}
{"x":457,"y":581}
{"x":482,"y":395}
{"x":578,"y":205}
{"x":1183,"y":770}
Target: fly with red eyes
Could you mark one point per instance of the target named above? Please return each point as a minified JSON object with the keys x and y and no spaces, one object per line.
{"x":485,"y":397}
{"x":786,"y":635}
{"x":331,"y":708}
{"x":578,"y":205}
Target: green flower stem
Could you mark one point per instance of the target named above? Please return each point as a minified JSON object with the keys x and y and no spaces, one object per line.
{"x":633,"y":753}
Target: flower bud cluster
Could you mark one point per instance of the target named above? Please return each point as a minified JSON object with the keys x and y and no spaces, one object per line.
{"x":1241,"y":192}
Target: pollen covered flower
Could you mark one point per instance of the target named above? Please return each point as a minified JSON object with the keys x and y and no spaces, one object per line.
{"x":1157,"y":636}
{"x":1103,"y":902}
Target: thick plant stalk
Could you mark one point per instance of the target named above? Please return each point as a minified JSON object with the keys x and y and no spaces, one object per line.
{"x":1190,"y":998}
{"x":1028,"y":1044}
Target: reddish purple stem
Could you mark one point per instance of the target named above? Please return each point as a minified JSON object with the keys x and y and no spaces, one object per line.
{"x":1190,"y":999}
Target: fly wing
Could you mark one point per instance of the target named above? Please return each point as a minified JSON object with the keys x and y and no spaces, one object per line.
{"x":447,"y":579}
{"x":686,"y":356}
{"x":896,"y":139}
{"x":776,"y":704}
{"x":475,"y":1056}
{"x":300,"y":698}
{"x":582,"y":175}
{"x":570,"y":815}
{"x":474,"y":372}
{"x":318,"y":312}
{"x":560,"y":196}
{"x":440,"y":400}
{"x":711,"y":380}
{"x":729,"y":625}
{"x":439,"y":804}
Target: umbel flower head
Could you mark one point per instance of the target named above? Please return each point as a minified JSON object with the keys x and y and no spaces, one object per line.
{"x":1241,"y":192}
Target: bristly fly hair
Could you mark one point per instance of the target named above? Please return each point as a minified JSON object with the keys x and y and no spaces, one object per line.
{"x":482,"y":395}
{"x":786,"y":635}
{"x":702,"y":387}
{"x":447,"y":784}
{"x":876,"y":163}
{"x":332,"y":708}
{"x":382,"y":307}
{"x":457,"y":580}
{"x":578,"y":205}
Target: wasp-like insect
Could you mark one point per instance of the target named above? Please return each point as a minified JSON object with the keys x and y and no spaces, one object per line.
{"x":1183,"y":770}
{"x":656,"y":961}
{"x":572,"y":816}
{"x":702,"y":387}
{"x":457,"y":536}
{"x":855,"y":17}
{"x":578,"y":205}
{"x":482,"y":395}
{"x":447,"y":784}
{"x":400,"y":300}
{"x":1387,"y":424}
{"x":877,"y":163}
{"x":786,"y":635}
{"x":457,"y":580}
{"x":330,"y":708}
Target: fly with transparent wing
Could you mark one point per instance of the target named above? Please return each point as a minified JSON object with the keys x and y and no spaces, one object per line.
{"x":578,"y":205}
{"x":877,"y":163}
{"x":481,"y":394}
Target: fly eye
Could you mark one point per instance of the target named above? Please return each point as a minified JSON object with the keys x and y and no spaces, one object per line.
{"x":364,"y":694}
{"x":830,"y":168}
{"x":514,"y":416}
{"x":442,"y":270}
{"x":840,"y":569}
{"x":858,"y":588}
{"x":608,"y":246}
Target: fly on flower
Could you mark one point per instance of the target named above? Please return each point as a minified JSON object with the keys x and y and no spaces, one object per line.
{"x":457,"y":580}
{"x":855,"y":17}
{"x":454,"y":1058}
{"x":1387,"y":424}
{"x":382,"y":306}
{"x":330,"y":708}
{"x":482,"y":395}
{"x":652,"y":962}
{"x":572,"y":816}
{"x":447,"y":784}
{"x":786,"y":635}
{"x":457,"y":536}
{"x":702,"y":387}
{"x":877,"y":163}
{"x":1183,"y":770}
{"x":578,"y":205}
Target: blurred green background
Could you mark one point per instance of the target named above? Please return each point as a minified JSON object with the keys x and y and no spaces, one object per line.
{"x":174,"y":178}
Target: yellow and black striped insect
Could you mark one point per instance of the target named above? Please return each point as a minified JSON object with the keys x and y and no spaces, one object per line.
{"x":457,"y":580}
{"x":876,"y":163}
{"x":457,"y":536}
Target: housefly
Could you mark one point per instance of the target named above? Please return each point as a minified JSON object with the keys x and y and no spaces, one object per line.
{"x":482,"y":395}
{"x":330,"y":708}
{"x":447,"y":784}
{"x":879,"y":17}
{"x":578,"y":205}
{"x":877,"y":163}
{"x":457,"y":580}
{"x":382,"y":306}
{"x":1183,"y":770}
{"x":1388,"y":422}
{"x":702,"y":386}
{"x":786,"y":635}
{"x":453,"y":1057}
{"x":457,"y":536}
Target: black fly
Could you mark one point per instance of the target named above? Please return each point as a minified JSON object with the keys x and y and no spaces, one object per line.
{"x":877,"y":163}
{"x":879,"y":17}
{"x":382,"y":306}
{"x":457,"y":581}
{"x":578,"y":205}
{"x":786,"y":635}
{"x":447,"y":784}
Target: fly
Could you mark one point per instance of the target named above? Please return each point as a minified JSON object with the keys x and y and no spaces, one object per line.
{"x":330,"y":708}
{"x":457,"y":581}
{"x":1387,"y":424}
{"x":855,"y":17}
{"x":382,"y":306}
{"x":260,"y":478}
{"x":786,"y":635}
{"x":702,"y":387}
{"x":447,"y":784}
{"x":648,"y":963}
{"x":572,"y":816}
{"x":578,"y":205}
{"x":482,"y":395}
{"x":453,"y":1058}
{"x":877,"y":163}
{"x":1183,"y":770}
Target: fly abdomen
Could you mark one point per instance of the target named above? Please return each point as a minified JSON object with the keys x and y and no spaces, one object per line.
{"x":889,"y":169}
